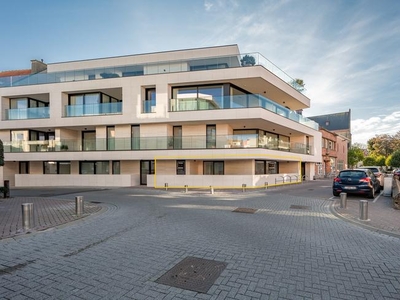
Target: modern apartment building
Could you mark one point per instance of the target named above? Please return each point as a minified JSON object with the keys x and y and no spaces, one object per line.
{"x":199,"y":117}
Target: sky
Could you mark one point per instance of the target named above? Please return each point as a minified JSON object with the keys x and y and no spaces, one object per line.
{"x":346,"y":51}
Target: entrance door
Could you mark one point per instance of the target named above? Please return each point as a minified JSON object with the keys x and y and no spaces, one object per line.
{"x":146,"y":167}
{"x":303,"y":170}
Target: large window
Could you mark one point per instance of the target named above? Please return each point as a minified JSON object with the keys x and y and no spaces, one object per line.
{"x":149,"y":103}
{"x":211,"y":136}
{"x":213,"y":168}
{"x":24,"y":167}
{"x":266,"y":167}
{"x":177,"y":136}
{"x":94,"y":167}
{"x":135,"y":135}
{"x":92,"y":104}
{"x":56,"y":167}
{"x":198,"y":97}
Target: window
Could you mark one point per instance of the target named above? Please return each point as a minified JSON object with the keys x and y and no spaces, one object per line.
{"x":56,"y":167}
{"x":266,"y":167}
{"x":110,"y":138}
{"x":211,"y":137}
{"x":94,"y":167}
{"x":92,"y":104}
{"x":177,"y":131}
{"x":135,"y":136}
{"x":213,"y":168}
{"x":198,"y":97}
{"x":180,"y":167}
{"x":24,"y":167}
{"x":149,"y":103}
{"x":116,"y":167}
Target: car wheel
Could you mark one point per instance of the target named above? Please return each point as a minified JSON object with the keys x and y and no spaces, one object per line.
{"x":336,"y":194}
{"x":372,"y":193}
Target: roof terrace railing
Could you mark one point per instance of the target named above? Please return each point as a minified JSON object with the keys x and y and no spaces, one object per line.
{"x":195,"y":64}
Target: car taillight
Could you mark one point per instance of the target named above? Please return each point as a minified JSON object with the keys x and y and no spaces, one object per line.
{"x":337,"y":179}
{"x":366,"y":179}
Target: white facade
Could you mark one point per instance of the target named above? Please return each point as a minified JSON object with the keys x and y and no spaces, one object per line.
{"x":191,"y":117}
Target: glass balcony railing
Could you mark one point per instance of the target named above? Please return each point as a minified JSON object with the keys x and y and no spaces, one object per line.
{"x":93,"y":109}
{"x":240,"y":101}
{"x":173,"y":66}
{"x":242,"y":141}
{"x":27,"y":113}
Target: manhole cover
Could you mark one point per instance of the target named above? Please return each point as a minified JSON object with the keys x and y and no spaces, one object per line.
{"x":300,"y":207}
{"x":245,"y":210}
{"x":95,"y":202}
{"x":194,"y":274}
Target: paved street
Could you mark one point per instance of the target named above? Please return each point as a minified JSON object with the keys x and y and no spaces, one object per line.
{"x":292,"y":247}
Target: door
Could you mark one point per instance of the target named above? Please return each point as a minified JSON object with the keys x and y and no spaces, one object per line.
{"x":146,"y":167}
{"x":177,"y":137}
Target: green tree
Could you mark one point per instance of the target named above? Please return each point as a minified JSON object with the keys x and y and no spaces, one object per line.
{"x":1,"y":153}
{"x":380,"y":161}
{"x":384,"y":144}
{"x":369,"y":161}
{"x":394,"y":159}
{"x":354,"y":155}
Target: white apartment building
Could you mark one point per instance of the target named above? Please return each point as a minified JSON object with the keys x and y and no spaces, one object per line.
{"x":198,"y":118}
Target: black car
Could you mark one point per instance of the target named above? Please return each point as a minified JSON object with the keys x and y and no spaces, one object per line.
{"x":357,"y":181}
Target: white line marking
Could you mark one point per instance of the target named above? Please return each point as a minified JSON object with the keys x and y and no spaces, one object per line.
{"x":377,"y":197}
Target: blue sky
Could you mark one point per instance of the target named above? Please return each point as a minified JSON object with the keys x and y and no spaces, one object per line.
{"x":346,"y":51}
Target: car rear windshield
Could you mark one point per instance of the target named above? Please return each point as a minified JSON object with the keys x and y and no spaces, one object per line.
{"x":375,"y":170}
{"x":353,"y":174}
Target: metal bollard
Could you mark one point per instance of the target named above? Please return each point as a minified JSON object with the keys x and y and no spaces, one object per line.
{"x":27,"y":216}
{"x":243,"y":187}
{"x":266,"y":185}
{"x":6,"y":193}
{"x":343,"y":200}
{"x":79,"y":206}
{"x":364,"y":210}
{"x":186,"y":188}
{"x":211,"y":190}
{"x":166,"y":186}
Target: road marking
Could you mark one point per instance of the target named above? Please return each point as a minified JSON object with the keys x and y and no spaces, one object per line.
{"x":377,"y":197}
{"x":332,"y":198}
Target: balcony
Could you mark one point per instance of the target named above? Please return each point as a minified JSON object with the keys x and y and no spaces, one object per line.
{"x":242,"y":101}
{"x":27,"y":113}
{"x":242,"y":141}
{"x":93,"y":109}
{"x":162,"y":67}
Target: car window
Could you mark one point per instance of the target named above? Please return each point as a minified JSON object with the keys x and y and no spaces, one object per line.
{"x":353,"y":174}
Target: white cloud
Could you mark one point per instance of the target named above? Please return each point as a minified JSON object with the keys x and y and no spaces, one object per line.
{"x":365,"y":129}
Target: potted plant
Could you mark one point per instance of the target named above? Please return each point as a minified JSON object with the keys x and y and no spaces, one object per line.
{"x":64,"y":147}
{"x":248,"y":60}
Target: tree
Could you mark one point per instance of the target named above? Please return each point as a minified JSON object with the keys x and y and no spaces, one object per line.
{"x":354,"y":155}
{"x":369,"y":161}
{"x":298,"y":84}
{"x":380,"y":161}
{"x":394,"y":159}
{"x":248,"y":60}
{"x":384,"y":144}
{"x":1,"y":153}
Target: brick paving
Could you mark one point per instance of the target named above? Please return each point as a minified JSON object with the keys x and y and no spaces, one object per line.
{"x":279,"y":252}
{"x":48,"y":213}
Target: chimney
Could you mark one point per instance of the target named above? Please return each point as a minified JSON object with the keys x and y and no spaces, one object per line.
{"x":37,"y":66}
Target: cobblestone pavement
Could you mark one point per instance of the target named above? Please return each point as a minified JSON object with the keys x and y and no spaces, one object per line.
{"x":293,"y":247}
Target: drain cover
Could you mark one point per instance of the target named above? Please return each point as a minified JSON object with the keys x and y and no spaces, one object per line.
{"x":194,"y":274}
{"x":300,"y":207}
{"x":95,"y":202}
{"x":245,"y":210}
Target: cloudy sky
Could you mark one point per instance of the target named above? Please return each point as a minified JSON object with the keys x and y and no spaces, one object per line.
{"x":346,"y":51}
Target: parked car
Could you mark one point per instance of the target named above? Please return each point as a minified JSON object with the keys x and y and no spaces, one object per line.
{"x":378,"y":172}
{"x":396,"y":173}
{"x":357,"y":181}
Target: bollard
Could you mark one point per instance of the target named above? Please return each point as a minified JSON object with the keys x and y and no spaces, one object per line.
{"x":6,"y":193}
{"x":266,"y":185}
{"x":243,"y":187}
{"x":186,"y":188}
{"x":79,"y":206}
{"x":27,"y":216}
{"x":211,"y":190}
{"x":364,"y":210}
{"x":343,"y":200}
{"x":166,"y":186}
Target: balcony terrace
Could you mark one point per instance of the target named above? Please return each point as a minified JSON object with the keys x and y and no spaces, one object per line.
{"x":173,"y":66}
{"x":27,"y":113}
{"x":242,"y":141}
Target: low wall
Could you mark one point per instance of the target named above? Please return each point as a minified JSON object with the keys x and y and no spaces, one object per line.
{"x":221,"y":181}
{"x":396,"y":192}
{"x":99,"y":180}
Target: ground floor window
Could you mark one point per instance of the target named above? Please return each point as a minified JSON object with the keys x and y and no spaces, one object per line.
{"x":94,"y":167}
{"x":56,"y":167}
{"x":266,"y":167}
{"x":213,"y":168}
{"x":180,"y":167}
{"x":116,"y":167}
{"x":24,"y":167}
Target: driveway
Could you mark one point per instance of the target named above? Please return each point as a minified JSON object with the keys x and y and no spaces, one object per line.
{"x":284,"y":244}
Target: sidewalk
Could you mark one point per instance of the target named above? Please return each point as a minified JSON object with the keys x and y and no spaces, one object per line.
{"x":48,"y":213}
{"x":382,"y":216}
